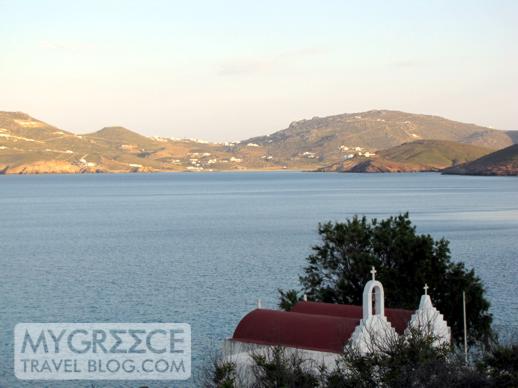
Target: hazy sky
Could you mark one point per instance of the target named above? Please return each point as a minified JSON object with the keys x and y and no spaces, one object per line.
{"x":223,"y":70}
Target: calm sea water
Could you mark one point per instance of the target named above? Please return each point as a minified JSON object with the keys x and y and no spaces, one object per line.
{"x":202,"y":248}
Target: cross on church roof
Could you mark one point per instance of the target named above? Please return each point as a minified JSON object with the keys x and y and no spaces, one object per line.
{"x":426,"y":289}
{"x":373,"y":272}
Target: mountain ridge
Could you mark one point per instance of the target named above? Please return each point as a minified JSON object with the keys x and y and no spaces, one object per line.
{"x":29,"y":145}
{"x":381,"y":129}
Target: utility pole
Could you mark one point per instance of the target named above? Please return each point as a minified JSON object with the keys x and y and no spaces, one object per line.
{"x":465,"y":327}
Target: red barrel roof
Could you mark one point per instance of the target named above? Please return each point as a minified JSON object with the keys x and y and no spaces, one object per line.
{"x":336,"y":310}
{"x":324,"y":333}
{"x":398,"y":318}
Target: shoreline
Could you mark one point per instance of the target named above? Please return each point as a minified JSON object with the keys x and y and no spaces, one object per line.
{"x":397,"y":173}
{"x":251,"y":171}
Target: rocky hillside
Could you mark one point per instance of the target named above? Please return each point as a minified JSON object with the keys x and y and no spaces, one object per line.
{"x":420,"y":155}
{"x":330,"y":138}
{"x":31,"y":146}
{"x":28,"y":145}
{"x":502,"y":162}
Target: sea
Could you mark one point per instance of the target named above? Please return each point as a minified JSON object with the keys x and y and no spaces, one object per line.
{"x":202,"y":248}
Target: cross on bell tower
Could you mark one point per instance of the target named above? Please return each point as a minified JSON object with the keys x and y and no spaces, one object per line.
{"x":373,"y":272}
{"x":426,"y":289}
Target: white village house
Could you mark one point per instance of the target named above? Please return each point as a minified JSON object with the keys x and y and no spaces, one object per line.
{"x":321,"y":331}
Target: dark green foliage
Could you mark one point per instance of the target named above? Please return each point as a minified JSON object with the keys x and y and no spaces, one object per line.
{"x":501,"y":363}
{"x":406,"y":362}
{"x":224,"y":375}
{"x":288,"y":299}
{"x":339,"y":268}
{"x":216,"y":372}
{"x":410,"y":361}
{"x":278,"y":369}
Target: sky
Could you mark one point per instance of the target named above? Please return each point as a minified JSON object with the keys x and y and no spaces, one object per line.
{"x":229,"y":70}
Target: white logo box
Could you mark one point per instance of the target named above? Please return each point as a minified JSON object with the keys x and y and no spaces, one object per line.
{"x":102,"y":351}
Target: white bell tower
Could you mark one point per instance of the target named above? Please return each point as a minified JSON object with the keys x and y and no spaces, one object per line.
{"x":373,"y":297}
{"x":374,"y":329}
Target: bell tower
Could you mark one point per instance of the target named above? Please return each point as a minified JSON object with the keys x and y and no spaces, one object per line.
{"x":374,"y":328}
{"x":373,"y":298}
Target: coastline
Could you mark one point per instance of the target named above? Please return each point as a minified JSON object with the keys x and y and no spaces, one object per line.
{"x":237,"y":171}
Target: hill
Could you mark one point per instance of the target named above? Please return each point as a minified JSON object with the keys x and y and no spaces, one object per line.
{"x":330,"y":138}
{"x":420,"y":155}
{"x":502,"y":162}
{"x":19,"y":126}
{"x":29,"y":142}
{"x":120,"y":137}
{"x":29,"y":145}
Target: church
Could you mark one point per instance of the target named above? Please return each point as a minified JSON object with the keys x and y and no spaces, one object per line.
{"x":321,"y":331}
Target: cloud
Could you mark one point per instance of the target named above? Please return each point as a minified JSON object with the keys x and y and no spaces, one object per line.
{"x":245,"y":66}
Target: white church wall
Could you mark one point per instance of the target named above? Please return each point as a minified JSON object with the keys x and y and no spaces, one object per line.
{"x":373,"y":334}
{"x":240,"y":353}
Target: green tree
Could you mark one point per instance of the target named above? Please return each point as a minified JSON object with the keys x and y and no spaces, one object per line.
{"x":339,"y":267}
{"x":224,"y":375}
{"x":500,"y":362}
{"x":276,"y":368}
{"x":412,"y":361}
